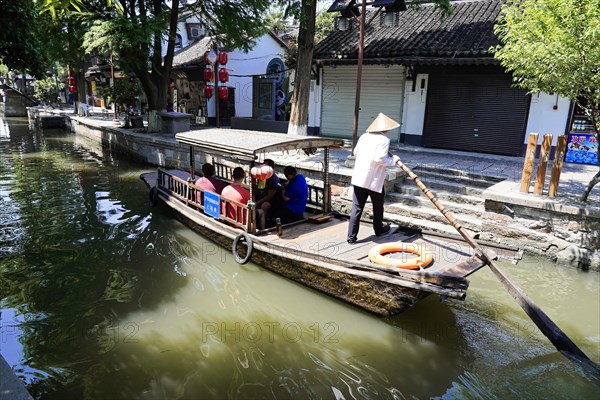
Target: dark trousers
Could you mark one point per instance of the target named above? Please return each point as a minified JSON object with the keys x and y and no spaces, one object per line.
{"x":359,"y":199}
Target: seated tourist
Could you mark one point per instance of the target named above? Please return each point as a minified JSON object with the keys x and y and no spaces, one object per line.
{"x":236,"y":192}
{"x":267,"y":198}
{"x":209,"y":182}
{"x":294,"y":195}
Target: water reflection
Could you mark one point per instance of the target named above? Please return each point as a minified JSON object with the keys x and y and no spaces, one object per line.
{"x":104,"y":297}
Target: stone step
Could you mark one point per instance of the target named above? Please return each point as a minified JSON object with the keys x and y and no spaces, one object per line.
{"x":440,"y":184}
{"x":474,"y":198}
{"x":441,"y":170}
{"x":471,"y":180}
{"x":432,"y":214}
{"x":421,"y":201}
{"x":424,"y":224}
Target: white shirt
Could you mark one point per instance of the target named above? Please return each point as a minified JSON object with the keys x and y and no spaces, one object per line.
{"x":372,"y":159}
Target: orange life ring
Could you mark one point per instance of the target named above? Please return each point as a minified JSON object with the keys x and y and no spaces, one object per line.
{"x":376,"y":255}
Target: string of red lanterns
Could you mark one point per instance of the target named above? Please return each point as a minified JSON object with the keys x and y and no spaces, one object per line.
{"x":209,"y":74}
{"x":72,"y":81}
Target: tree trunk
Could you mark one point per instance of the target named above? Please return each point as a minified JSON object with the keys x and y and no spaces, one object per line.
{"x":156,"y":82}
{"x":596,"y":179}
{"x":306,"y":43}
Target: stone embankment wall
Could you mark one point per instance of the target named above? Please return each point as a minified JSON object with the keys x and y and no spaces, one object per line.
{"x":569,"y":235}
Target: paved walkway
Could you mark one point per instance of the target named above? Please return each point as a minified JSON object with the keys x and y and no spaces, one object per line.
{"x":574,"y":177}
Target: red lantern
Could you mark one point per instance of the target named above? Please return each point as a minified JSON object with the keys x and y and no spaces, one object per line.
{"x":208,"y":91}
{"x":71,"y":80}
{"x":261,"y":173}
{"x":223,"y":92}
{"x":208,"y":74}
{"x":73,"y":89}
{"x":222,"y":57}
{"x":206,"y":62}
{"x":71,"y":73}
{"x":223,"y":75}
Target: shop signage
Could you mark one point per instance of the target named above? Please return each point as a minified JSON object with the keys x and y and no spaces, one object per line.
{"x":582,"y":149}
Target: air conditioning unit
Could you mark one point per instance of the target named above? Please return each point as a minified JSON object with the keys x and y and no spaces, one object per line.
{"x":195,"y":31}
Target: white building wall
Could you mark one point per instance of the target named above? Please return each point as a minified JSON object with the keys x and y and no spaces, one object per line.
{"x":548,"y":113}
{"x":241,"y":66}
{"x":314,"y":103}
{"x":413,"y":110}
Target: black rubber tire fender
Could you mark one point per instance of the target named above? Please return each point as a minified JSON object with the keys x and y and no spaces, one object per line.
{"x":244,"y":238}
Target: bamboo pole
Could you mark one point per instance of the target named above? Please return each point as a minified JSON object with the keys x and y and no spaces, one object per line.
{"x":557,"y":164}
{"x":540,"y":176}
{"x":528,"y":162}
{"x":558,"y":338}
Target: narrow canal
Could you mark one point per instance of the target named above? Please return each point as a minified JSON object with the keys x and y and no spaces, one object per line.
{"x":103,"y":297}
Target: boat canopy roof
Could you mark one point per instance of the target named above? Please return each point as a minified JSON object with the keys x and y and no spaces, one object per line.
{"x":245,"y":145}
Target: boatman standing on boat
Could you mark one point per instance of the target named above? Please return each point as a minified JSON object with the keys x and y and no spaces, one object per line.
{"x":372,"y":160}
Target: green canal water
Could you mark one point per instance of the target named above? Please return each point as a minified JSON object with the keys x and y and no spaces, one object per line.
{"x":103,"y":297}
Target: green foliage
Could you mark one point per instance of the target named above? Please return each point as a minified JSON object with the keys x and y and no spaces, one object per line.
{"x":46,"y":90}
{"x":552,"y":46}
{"x":237,"y":23}
{"x":124,"y":38}
{"x":324,"y":24}
{"x":122,"y":93}
{"x":20,"y":45}
{"x":275,"y":21}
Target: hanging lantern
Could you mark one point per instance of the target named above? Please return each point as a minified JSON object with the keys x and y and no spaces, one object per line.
{"x":72,"y":89}
{"x":208,"y":74}
{"x":71,"y":80}
{"x":71,"y":73}
{"x":223,"y":75}
{"x":261,"y":173}
{"x":208,"y":91}
{"x":223,"y":92}
{"x":206,"y":62}
{"x":222,"y":57}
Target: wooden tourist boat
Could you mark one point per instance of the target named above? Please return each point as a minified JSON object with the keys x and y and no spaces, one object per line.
{"x":314,"y":251}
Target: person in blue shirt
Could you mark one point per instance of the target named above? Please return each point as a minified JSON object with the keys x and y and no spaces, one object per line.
{"x":294,"y":195}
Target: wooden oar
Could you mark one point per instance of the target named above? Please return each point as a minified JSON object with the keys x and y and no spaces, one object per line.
{"x":558,"y":338}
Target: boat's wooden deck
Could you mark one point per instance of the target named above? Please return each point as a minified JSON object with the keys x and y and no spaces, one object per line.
{"x":329,"y":240}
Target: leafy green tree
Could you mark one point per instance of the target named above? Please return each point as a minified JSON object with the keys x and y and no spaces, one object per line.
{"x":46,"y":90}
{"x":142,"y":33}
{"x":20,"y":45}
{"x":552,"y":46}
{"x":124,"y":93}
{"x":324,"y":24}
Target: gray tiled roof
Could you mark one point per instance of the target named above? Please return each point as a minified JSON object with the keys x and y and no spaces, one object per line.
{"x":192,"y":54}
{"x":420,"y":33}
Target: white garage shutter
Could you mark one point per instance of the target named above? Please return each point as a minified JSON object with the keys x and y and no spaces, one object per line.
{"x":381,"y":91}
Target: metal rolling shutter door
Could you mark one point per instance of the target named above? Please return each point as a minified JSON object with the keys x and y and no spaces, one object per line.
{"x":480,"y":113}
{"x":381,"y":91}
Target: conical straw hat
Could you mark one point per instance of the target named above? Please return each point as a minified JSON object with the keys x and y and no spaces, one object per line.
{"x":382,"y":123}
